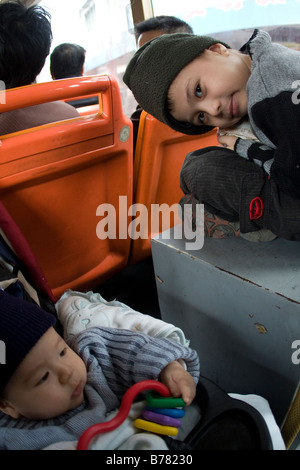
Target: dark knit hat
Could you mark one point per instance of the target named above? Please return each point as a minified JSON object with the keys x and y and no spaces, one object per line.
{"x":153,"y":68}
{"x":22,"y":324}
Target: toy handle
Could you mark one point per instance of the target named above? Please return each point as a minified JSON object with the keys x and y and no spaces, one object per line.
{"x":122,"y":414}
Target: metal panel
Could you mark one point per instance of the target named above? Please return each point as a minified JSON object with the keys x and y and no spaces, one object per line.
{"x":239,"y":304}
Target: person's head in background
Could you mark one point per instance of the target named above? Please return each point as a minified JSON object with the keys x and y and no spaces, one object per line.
{"x":157,"y":26}
{"x":67,"y":60}
{"x":25,"y":41}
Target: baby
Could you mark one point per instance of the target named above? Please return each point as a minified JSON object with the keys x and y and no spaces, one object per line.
{"x":52,"y":391}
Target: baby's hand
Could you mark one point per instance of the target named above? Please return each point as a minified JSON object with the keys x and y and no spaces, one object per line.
{"x":179,"y":381}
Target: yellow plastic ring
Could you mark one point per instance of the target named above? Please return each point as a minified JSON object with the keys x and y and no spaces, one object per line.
{"x":155,"y":428}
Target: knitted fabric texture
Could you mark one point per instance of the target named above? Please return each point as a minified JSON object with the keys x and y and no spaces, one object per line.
{"x":22,"y":324}
{"x":153,"y":68}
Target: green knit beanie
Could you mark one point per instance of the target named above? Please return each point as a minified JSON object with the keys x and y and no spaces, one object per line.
{"x":153,"y":68}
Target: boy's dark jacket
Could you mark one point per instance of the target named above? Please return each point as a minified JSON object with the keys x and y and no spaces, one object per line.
{"x":274,"y":111}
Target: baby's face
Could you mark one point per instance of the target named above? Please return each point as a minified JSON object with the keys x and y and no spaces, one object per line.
{"x":211,"y":90}
{"x":48,"y":382}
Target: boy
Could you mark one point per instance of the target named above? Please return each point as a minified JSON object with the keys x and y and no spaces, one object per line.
{"x":195,"y":83}
{"x":51,"y":391}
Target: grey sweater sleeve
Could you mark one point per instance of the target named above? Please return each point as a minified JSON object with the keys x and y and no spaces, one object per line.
{"x":126,"y":357}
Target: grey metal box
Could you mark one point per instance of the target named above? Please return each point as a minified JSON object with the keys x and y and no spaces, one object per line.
{"x":239,"y":304}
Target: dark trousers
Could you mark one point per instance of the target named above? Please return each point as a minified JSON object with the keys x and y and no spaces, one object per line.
{"x":236,"y":189}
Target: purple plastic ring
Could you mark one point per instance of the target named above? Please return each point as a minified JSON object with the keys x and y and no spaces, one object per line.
{"x":161,"y":419}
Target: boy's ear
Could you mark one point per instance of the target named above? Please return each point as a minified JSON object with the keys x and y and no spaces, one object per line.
{"x":9,"y":409}
{"x":219,"y":48}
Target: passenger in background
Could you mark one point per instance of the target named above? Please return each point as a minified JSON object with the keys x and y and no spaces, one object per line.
{"x":67,"y":60}
{"x":157,"y":26}
{"x":144,"y":32}
{"x":25,"y":40}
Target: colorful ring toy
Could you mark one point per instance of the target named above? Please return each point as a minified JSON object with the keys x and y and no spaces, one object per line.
{"x":132,"y":392}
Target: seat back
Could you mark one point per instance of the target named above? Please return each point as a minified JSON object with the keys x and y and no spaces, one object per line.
{"x":159,"y":155}
{"x":54,"y":177}
{"x":85,"y":105}
{"x":16,"y":253}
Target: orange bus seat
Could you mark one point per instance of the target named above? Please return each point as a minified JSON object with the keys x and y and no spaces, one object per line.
{"x":54,"y":177}
{"x":159,"y":155}
{"x":87,"y":110}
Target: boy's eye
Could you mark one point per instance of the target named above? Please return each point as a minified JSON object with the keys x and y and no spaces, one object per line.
{"x":201,"y":117}
{"x":198,"y":91}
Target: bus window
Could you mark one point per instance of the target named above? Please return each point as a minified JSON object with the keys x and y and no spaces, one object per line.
{"x":234,"y":21}
{"x":104,"y":29}
{"x":217,"y":16}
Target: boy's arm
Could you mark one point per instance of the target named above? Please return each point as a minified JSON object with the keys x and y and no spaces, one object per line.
{"x":256,"y":152}
{"x":279,"y":120}
{"x":252,"y":150}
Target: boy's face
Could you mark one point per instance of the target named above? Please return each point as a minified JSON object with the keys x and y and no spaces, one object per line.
{"x":211,"y":90}
{"x":49,"y":381}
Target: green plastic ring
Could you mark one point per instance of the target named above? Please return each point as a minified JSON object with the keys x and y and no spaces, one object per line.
{"x":158,"y":401}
